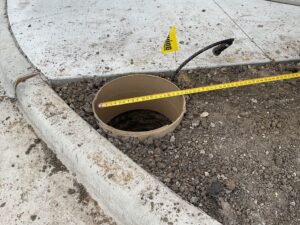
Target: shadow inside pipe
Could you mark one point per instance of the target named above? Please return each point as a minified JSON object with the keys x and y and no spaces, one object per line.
{"x":139,"y":120}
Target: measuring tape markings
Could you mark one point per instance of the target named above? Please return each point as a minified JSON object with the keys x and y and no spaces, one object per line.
{"x":199,"y":90}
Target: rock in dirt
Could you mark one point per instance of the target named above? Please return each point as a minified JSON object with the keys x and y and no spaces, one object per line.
{"x":230,"y":185}
{"x":172,"y":139}
{"x":184,"y":79}
{"x":194,"y":199}
{"x":195,"y":123}
{"x":88,"y":108}
{"x":204,"y":114}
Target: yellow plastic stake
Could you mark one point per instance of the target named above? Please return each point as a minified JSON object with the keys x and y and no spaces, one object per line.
{"x":200,"y":89}
{"x":170,"y":44}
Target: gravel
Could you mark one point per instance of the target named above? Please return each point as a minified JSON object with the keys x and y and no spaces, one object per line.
{"x":236,"y":154}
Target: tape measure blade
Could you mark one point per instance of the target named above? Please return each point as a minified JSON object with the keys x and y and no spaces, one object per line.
{"x":200,"y":89}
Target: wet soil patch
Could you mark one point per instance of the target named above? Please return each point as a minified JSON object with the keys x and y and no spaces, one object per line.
{"x":139,"y":120}
{"x":236,"y":153}
{"x":83,"y":196}
{"x":52,"y":161}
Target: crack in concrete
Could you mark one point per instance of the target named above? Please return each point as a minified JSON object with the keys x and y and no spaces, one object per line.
{"x":244,"y":32}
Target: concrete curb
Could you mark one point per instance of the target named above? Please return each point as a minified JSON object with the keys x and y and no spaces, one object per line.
{"x":130,"y":194}
{"x":13,"y":65}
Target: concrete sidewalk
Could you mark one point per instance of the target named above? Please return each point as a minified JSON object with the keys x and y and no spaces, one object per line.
{"x":35,"y":186}
{"x":73,"y":39}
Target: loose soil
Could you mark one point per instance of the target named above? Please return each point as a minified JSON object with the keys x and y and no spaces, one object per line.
{"x":235,"y":155}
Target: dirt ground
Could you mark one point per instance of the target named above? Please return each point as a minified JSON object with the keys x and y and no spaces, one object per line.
{"x":236,"y":154}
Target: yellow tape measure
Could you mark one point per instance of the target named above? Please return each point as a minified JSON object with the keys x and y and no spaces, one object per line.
{"x":199,"y":90}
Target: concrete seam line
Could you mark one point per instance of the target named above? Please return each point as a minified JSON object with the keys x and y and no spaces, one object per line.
{"x":25,"y":77}
{"x":290,"y":2}
{"x":242,"y":30}
{"x":13,"y":65}
{"x":129,"y":193}
{"x":14,"y":38}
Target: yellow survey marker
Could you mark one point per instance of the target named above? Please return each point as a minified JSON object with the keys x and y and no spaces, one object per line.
{"x":199,"y":89}
{"x":170,"y":44}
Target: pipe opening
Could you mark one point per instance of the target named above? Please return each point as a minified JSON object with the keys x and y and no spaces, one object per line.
{"x":139,"y":120}
{"x":144,"y":119}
